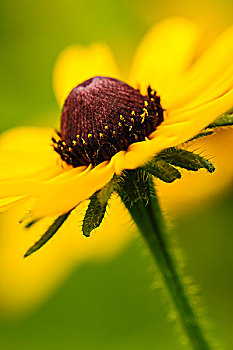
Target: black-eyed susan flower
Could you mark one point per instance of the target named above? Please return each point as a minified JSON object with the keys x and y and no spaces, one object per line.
{"x":109,"y":126}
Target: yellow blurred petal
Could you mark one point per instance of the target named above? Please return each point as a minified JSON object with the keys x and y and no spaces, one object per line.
{"x":209,"y":67}
{"x":58,"y":195}
{"x":28,"y":152}
{"x":77,"y":63}
{"x":18,"y":188}
{"x":6,"y":203}
{"x":26,"y":283}
{"x":164,"y":53}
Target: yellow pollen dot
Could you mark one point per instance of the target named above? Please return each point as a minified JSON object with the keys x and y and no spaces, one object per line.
{"x":122,"y":118}
{"x":78,"y":136}
{"x":89,"y":136}
{"x":64,"y":143}
{"x":152,"y":99}
{"x":145,"y":103}
{"x":101,"y":135}
{"x":62,"y":148}
{"x":70,"y":149}
{"x":152,"y":92}
{"x":143,"y":116}
{"x":114,"y":132}
{"x":133,"y":113}
{"x":132,"y":120}
{"x":74,"y":142}
{"x":145,"y":111}
{"x":106,"y":127}
{"x":119,"y":124}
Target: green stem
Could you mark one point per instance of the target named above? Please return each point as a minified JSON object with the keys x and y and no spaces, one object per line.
{"x":138,"y":194}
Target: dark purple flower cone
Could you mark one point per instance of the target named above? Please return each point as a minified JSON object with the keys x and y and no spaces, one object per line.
{"x":103,"y":116}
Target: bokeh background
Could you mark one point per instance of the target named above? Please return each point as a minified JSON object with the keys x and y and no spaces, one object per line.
{"x":111,"y":305}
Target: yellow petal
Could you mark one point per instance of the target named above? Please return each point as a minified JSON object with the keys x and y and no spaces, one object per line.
{"x":76,"y":64}
{"x":217,"y":88}
{"x":209,"y":67}
{"x":26,"y":283}
{"x":27,"y":152}
{"x":189,"y":121}
{"x":60,"y":195}
{"x":137,"y":154}
{"x":19,"y":188}
{"x":27,"y":159}
{"x":164,"y":53}
{"x":6,"y":203}
{"x":34,"y":186}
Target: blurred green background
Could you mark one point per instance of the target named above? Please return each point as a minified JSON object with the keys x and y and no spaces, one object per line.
{"x":109,"y":306}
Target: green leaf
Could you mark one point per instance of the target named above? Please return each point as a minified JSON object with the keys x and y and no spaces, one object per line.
{"x":161,"y":169}
{"x":94,"y":214}
{"x":48,"y":234}
{"x":97,"y":207}
{"x":185,"y":159}
{"x":105,"y":192}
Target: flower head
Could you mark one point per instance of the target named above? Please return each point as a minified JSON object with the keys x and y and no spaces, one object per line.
{"x":103,"y":116}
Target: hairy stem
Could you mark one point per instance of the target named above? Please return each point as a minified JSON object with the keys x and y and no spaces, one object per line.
{"x":138,"y":194}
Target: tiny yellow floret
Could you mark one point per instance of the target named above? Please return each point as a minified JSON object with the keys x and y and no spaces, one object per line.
{"x":143,"y":117}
